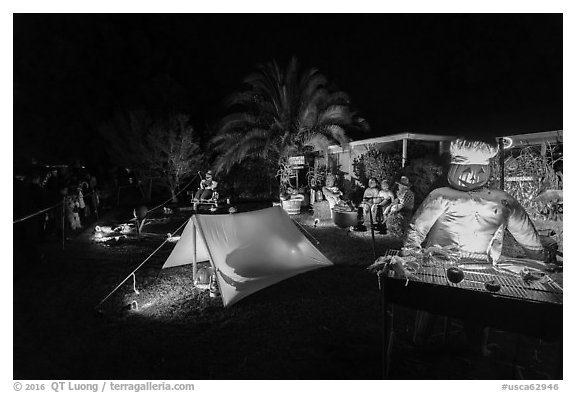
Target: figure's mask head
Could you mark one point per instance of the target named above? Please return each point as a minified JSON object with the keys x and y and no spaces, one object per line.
{"x":470,"y":164}
{"x":329,"y":181}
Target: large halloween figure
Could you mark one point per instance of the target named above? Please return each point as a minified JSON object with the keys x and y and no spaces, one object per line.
{"x":471,"y":217}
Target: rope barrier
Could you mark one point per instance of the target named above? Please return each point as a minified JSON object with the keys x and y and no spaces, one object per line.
{"x":46,"y":209}
{"x":91,"y":193}
{"x":37,"y":213}
{"x":179,"y":192}
{"x":132,"y":273}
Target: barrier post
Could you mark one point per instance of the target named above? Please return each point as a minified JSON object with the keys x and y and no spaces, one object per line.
{"x":63,"y":221}
{"x":95,"y":203}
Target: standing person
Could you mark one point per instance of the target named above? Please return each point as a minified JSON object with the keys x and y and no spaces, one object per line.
{"x":52,"y":185}
{"x":38,"y":198}
{"x":370,"y":199}
{"x":400,"y":211}
{"x":72,"y":207}
{"x":94,"y":195}
{"x":207,"y":187}
{"x":84,"y":209}
{"x":61,"y":211}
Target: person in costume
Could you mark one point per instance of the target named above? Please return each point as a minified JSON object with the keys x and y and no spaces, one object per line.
{"x":331,"y":192}
{"x":471,"y":217}
{"x":385,"y":198}
{"x":386,"y":194}
{"x":399,"y":213}
{"x":370,"y":199}
{"x":207,"y":187}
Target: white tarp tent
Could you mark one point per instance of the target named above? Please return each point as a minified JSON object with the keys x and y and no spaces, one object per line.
{"x":249,"y":251}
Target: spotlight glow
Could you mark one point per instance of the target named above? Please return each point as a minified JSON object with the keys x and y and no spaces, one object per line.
{"x":508,"y":142}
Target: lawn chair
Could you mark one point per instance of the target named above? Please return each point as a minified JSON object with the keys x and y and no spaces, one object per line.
{"x":213,"y":203}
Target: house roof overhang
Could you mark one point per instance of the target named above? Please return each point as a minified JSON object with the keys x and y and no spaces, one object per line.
{"x":393,"y":138}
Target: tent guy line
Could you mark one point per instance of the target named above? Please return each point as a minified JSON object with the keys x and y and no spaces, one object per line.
{"x":308,"y":233}
{"x":132,"y":273}
{"x":178,"y":193}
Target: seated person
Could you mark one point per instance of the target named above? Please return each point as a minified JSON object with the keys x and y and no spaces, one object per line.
{"x":207,"y":187}
{"x":386,"y":197}
{"x":397,"y":217}
{"x":331,"y":192}
{"x":370,"y":199}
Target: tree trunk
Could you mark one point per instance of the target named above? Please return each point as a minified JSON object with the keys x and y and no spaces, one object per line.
{"x":149,"y":191}
{"x":173,"y":193}
{"x":146,"y":200}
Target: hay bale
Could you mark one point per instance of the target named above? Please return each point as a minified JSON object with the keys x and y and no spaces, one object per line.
{"x":321,"y":210}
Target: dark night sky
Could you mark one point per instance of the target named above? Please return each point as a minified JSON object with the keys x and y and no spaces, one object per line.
{"x":446,"y":74}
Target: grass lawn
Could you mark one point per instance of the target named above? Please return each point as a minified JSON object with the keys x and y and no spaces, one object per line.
{"x":325,"y":324}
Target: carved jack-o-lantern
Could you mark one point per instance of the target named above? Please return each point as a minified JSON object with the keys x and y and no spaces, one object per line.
{"x":470,"y":164}
{"x":202,"y":276}
{"x":468,"y":177}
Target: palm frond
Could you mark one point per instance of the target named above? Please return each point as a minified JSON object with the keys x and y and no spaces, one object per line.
{"x":336,"y":114}
{"x":282,"y":112}
{"x":336,"y":133}
{"x":237,"y":121}
{"x":243,"y":98}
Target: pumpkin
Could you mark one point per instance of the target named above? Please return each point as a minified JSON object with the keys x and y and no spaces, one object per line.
{"x":202,"y":276}
{"x":468,"y":177}
{"x":492,"y":286}
{"x":455,"y":275}
{"x":140,"y":212}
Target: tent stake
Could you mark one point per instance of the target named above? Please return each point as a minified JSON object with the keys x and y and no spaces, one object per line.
{"x":134,"y":283}
{"x":308,"y":233}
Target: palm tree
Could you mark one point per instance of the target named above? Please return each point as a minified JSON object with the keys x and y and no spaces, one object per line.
{"x":281,"y":114}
